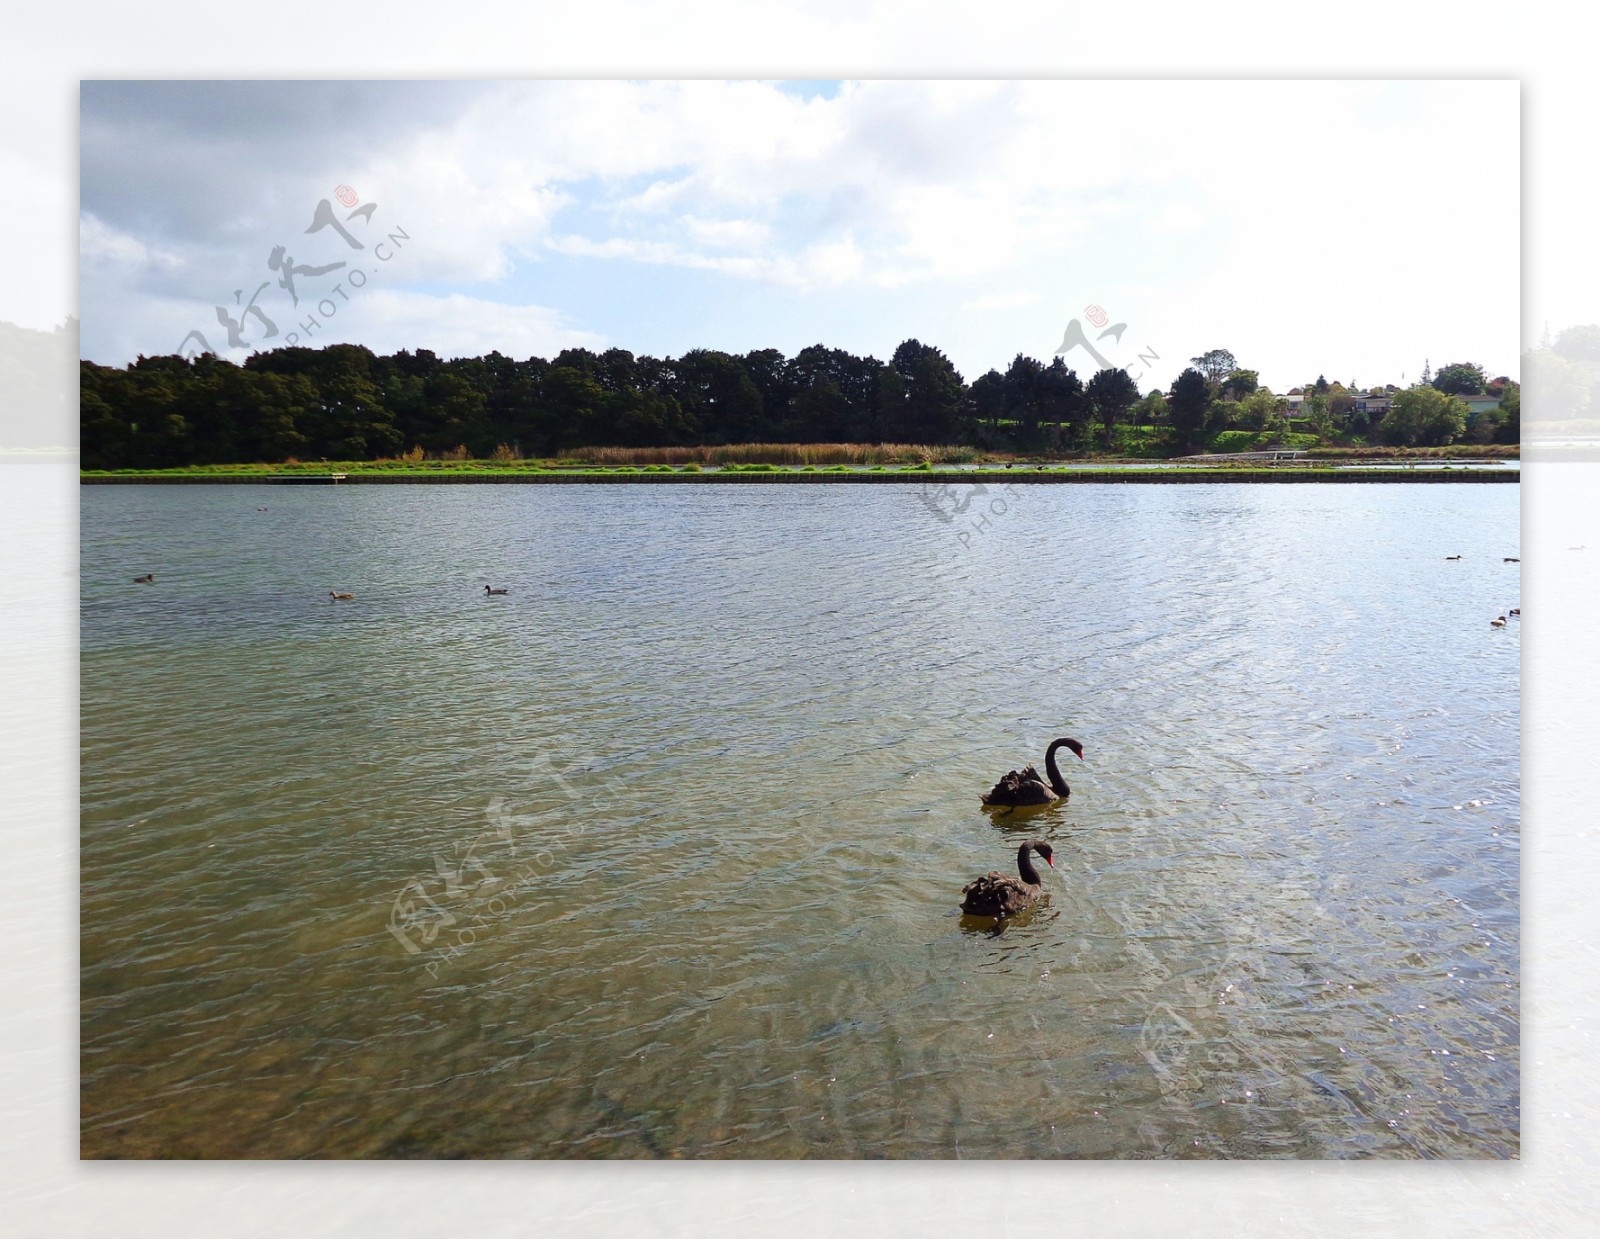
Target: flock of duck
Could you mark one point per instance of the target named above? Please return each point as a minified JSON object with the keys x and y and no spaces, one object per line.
{"x":149,"y":579}
{"x":1500,"y":621}
{"x":333,"y":594}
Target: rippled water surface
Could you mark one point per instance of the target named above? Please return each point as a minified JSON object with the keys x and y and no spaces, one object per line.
{"x":659,"y":854}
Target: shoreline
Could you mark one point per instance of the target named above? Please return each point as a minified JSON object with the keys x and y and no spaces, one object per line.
{"x":1192,"y":474}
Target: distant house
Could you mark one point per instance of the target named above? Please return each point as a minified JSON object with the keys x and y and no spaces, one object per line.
{"x":1479,"y":404}
{"x":1373,"y":404}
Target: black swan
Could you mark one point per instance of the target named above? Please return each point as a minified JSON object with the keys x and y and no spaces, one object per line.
{"x":147,"y":579}
{"x":1024,"y":787}
{"x":998,"y":895}
{"x":331,"y":594}
{"x":492,"y":590}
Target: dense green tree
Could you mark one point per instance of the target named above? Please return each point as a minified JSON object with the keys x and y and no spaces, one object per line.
{"x":929,"y":397}
{"x":1315,"y":409}
{"x":582,"y":361}
{"x":773,"y":377}
{"x":1216,"y":365}
{"x":1240,"y":383}
{"x":616,"y":370}
{"x":1151,"y":409}
{"x":1024,"y":380}
{"x":1260,"y":410}
{"x":1223,"y":415}
{"x":354,"y":424}
{"x":105,"y":438}
{"x":819,"y":403}
{"x":278,"y":406}
{"x":1111,"y":394}
{"x":343,"y":402}
{"x":1511,"y":406}
{"x":1484,"y":425}
{"x":1460,"y":379}
{"x":715,"y":389}
{"x":1063,"y":406}
{"x":834,"y":395}
{"x":458,"y":415}
{"x":1423,"y":416}
{"x":1188,"y":403}
{"x":988,"y":395}
{"x":568,"y":413}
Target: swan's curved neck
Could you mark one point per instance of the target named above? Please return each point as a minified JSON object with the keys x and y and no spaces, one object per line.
{"x":1054,"y":771}
{"x":1025,"y":866}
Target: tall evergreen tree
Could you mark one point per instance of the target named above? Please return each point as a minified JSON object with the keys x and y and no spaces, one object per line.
{"x":1189,"y":402}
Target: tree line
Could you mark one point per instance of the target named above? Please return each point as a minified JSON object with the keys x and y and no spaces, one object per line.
{"x":1216,"y":394}
{"x":344,"y":402}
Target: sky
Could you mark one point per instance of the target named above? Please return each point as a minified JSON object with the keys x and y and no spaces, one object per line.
{"x":1357,"y":229}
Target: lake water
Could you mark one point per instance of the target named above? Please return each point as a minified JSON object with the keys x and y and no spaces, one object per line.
{"x":659,"y":855}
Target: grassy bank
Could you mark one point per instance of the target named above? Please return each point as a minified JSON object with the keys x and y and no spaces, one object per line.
{"x":801,"y":462}
{"x":778,"y":454}
{"x":750,"y":474}
{"x":1133,"y":445}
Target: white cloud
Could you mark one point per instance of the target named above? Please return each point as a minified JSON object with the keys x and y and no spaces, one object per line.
{"x":1002,"y":301}
{"x":98,"y":242}
{"x":455,"y":325}
{"x":1252,"y":211}
{"x":728,"y":234}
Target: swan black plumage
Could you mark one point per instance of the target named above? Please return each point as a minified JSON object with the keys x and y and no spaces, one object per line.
{"x":1024,"y":787}
{"x":999,"y":895}
{"x":147,"y":579}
